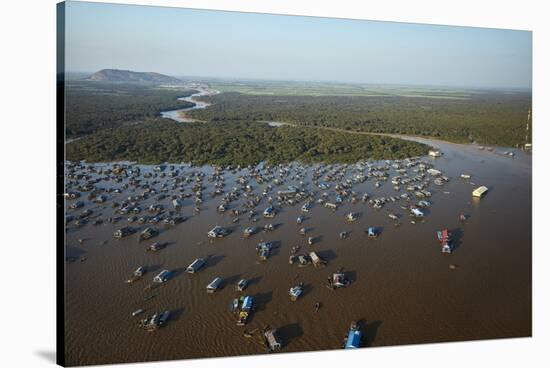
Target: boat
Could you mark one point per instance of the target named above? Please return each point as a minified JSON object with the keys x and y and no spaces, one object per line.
{"x":393,"y":216}
{"x":416,"y":212}
{"x":338,"y":280}
{"x":137,"y":312}
{"x":372,"y":232}
{"x":243,"y":307}
{"x":264,"y":249}
{"x":214,"y":285}
{"x":123,"y":232}
{"x":241,"y":285}
{"x":271,"y":339}
{"x":480,"y":192}
{"x":330,"y":206}
{"x":316,"y":260}
{"x":148,"y":233}
{"x":444,"y":237}
{"x":302,"y":231}
{"x":465,"y":176}
{"x":218,"y":232}
{"x":310,"y":240}
{"x":353,"y":337}
{"x":306,"y":207}
{"x":300,"y":219}
{"x":195,"y":266}
{"x":269,"y":227}
{"x":269,"y":212}
{"x":352,"y":216}
{"x":155,"y":321}
{"x":177,"y":203}
{"x":295,"y":292}
{"x":138,"y":274}
{"x":140,"y":271}
{"x":155,"y":247}
{"x":249,"y":231}
{"x":162,"y":277}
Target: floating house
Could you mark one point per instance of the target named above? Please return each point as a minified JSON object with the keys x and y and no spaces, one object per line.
{"x":480,"y":192}
{"x":195,"y":266}
{"x":163,"y":276}
{"x":218,"y":232}
{"x":214,"y":285}
{"x":353,"y":337}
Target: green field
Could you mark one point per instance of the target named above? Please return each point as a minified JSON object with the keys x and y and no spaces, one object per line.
{"x":339,"y":89}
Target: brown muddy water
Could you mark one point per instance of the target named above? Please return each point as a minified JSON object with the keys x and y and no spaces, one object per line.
{"x":403,"y":289}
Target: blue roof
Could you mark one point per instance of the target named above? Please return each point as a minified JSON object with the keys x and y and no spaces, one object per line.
{"x":247,"y":302}
{"x":354,"y":340}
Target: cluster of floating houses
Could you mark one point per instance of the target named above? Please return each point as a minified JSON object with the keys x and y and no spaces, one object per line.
{"x":258,"y":192}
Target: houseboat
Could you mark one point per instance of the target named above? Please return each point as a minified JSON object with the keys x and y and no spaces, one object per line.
{"x":241,"y":285}
{"x":214,"y":285}
{"x":373,"y":232}
{"x":218,"y":232}
{"x":269,"y":212}
{"x":271,"y":340}
{"x":163,"y":276}
{"x":338,"y":280}
{"x":148,"y":233}
{"x":480,"y":192}
{"x":417,"y":213}
{"x":242,"y":307}
{"x":353,"y":337}
{"x":444,"y":237}
{"x":249,"y":231}
{"x":123,"y":232}
{"x":296,"y":291}
{"x":316,"y":260}
{"x":155,"y":321}
{"x":195,"y":266}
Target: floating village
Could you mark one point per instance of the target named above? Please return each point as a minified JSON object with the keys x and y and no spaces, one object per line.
{"x":143,"y":201}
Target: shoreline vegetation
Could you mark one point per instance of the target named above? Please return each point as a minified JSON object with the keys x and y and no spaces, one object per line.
{"x":104,"y":116}
{"x":234,"y":143}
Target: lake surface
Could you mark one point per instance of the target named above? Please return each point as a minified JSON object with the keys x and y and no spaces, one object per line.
{"x":403,"y":289}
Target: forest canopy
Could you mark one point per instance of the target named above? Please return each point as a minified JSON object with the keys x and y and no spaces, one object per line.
{"x":232,"y":143}
{"x":487,"y":117}
{"x":91,"y":106}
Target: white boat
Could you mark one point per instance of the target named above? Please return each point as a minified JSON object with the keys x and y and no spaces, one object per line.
{"x":416,"y":212}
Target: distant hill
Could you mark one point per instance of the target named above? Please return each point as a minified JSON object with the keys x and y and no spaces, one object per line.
{"x":116,"y":75}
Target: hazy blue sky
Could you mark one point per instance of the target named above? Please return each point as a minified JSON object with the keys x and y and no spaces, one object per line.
{"x":183,"y":42}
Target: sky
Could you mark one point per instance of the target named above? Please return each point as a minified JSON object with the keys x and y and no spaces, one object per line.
{"x":206,"y":43}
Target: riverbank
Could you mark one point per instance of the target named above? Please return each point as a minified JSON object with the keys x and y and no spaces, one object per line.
{"x":181,"y":115}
